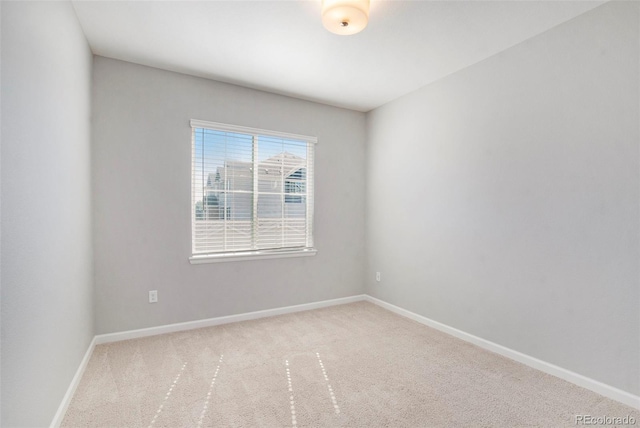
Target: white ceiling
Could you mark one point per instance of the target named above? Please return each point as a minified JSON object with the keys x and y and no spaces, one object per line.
{"x":281,"y":46}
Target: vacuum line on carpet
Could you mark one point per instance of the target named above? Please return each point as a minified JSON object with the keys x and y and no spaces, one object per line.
{"x":206,"y":403}
{"x":291,"y":402}
{"x":166,"y":397}
{"x":326,"y":378}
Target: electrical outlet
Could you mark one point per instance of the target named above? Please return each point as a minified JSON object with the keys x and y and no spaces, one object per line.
{"x":153,"y":296}
{"x":378,"y":276}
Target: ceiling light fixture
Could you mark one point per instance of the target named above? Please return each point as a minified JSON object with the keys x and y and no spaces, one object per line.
{"x":345,"y":17}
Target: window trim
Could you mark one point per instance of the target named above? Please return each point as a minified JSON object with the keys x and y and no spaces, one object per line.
{"x":248,"y":130}
{"x":251,"y":254}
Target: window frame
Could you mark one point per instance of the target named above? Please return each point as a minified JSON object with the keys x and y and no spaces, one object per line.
{"x":308,"y":250}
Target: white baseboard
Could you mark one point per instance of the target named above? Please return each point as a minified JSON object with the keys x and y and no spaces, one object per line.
{"x":190,"y":325}
{"x":66,"y":400}
{"x":575,"y":378}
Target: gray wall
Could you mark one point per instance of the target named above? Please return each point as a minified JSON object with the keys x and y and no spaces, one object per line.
{"x":503,"y":200}
{"x":141,"y":183}
{"x":47,"y":315}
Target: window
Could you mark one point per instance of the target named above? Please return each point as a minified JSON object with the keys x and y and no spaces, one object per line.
{"x":251,"y":193}
{"x":295,"y":183}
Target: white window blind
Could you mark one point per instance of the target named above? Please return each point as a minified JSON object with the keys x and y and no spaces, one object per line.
{"x":252,"y":190}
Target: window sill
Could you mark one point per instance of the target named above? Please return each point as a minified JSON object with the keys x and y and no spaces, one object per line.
{"x":251,"y":255}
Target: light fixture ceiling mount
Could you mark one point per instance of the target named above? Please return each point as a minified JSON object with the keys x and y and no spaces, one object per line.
{"x":345,"y":17}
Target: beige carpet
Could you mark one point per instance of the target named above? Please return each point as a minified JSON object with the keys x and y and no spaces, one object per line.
{"x":353,"y":365}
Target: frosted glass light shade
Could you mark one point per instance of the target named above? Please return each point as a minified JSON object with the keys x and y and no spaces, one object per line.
{"x":345,"y":16}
